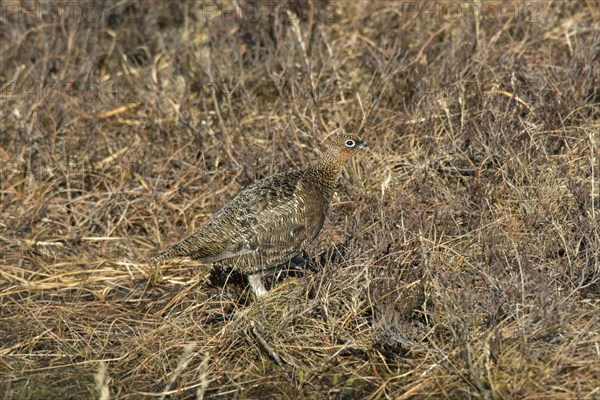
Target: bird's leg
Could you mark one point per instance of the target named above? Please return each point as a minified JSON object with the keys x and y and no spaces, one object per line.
{"x":257,"y":285}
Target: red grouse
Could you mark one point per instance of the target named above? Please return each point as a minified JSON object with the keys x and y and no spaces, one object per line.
{"x":269,"y":222}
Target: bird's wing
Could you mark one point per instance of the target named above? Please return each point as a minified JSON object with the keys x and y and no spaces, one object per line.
{"x":266,"y":224}
{"x":269,"y":218}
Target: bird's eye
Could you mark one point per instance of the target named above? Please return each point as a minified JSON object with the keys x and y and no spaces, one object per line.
{"x":350,"y":143}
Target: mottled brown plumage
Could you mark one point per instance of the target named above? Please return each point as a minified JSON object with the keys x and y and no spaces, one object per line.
{"x":269,"y":222}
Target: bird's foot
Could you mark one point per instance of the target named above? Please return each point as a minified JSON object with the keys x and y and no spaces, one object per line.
{"x":257,"y":285}
{"x":303,"y":260}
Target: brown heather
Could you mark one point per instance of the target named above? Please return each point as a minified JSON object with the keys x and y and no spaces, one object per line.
{"x":459,"y":257}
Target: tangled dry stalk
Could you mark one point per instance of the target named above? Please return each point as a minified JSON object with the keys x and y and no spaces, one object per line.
{"x":460,"y":259}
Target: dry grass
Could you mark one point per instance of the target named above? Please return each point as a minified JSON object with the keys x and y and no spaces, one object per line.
{"x":460,"y":259}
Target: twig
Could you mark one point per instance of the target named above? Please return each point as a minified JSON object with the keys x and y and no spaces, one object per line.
{"x":263,"y":343}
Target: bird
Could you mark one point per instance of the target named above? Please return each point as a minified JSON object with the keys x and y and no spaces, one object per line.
{"x":269,"y":223}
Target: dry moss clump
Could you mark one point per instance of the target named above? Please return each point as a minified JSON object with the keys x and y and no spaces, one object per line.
{"x":460,"y":258}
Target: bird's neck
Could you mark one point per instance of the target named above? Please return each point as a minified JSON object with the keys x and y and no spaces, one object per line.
{"x":327,"y":172}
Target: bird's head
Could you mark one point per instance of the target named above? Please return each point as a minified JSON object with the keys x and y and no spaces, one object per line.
{"x":345,"y":145}
{"x":341,"y":149}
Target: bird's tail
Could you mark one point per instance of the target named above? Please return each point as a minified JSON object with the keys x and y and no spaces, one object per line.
{"x":180,"y":249}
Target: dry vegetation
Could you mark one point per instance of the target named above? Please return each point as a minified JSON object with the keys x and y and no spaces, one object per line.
{"x":460,"y":259}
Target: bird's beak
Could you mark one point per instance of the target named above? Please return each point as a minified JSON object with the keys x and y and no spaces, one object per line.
{"x":363,"y":144}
